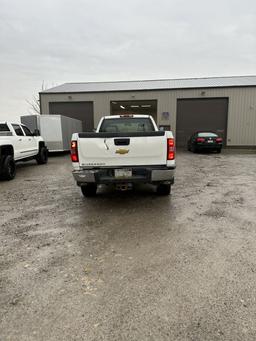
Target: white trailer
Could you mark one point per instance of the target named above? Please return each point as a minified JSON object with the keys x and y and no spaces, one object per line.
{"x":56,"y":130}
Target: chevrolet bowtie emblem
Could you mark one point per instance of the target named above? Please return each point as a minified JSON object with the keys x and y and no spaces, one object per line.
{"x":122,"y":151}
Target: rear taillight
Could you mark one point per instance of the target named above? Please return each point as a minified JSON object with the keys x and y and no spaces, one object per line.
{"x":74,"y":151}
{"x":218,"y":140}
{"x":200,"y":139}
{"x":170,"y":149}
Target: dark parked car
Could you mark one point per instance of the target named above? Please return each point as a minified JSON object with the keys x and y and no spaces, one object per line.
{"x":205,"y":140}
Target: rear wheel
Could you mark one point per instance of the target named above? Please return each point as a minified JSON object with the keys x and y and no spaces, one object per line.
{"x":42,"y":156}
{"x":193,"y":149}
{"x":218,"y":150}
{"x":8,"y":168}
{"x":89,"y":190}
{"x":163,"y":189}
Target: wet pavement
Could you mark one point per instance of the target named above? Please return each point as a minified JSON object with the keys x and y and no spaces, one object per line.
{"x":130,"y":265}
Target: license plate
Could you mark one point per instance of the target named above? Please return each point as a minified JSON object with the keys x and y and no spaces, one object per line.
{"x":123,"y":173}
{"x":210,"y":141}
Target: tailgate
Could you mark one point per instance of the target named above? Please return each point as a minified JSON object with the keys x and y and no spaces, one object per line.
{"x":122,"y":151}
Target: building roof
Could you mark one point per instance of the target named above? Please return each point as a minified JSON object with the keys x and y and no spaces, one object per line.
{"x":161,"y":84}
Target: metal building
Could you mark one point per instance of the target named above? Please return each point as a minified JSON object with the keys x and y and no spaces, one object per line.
{"x":226,"y":105}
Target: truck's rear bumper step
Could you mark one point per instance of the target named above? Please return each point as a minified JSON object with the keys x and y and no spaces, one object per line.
{"x":106,"y":176}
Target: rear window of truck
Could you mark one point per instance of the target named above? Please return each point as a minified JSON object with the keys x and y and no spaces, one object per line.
{"x":127,"y":125}
{"x":4,"y":127}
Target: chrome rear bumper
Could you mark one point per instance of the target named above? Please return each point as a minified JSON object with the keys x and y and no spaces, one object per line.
{"x":139,"y":174}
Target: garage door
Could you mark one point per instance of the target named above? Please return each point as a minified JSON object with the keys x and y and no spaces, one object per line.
{"x":82,"y":111}
{"x":200,"y":114}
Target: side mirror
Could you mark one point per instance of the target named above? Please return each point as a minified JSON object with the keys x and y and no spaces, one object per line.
{"x":164,"y":127}
{"x":36,"y":132}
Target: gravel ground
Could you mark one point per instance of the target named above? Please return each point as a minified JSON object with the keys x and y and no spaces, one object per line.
{"x":132,"y":265}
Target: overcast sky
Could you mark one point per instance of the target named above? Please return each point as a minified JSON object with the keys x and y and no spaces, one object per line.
{"x":59,"y":41}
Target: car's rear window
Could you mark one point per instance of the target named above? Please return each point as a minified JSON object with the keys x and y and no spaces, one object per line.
{"x":127,"y":125}
{"x":4,"y":127}
{"x":207,"y":135}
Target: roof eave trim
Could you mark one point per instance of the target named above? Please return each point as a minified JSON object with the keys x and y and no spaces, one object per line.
{"x":135,"y":90}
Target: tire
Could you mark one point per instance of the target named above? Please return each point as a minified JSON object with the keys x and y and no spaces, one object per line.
{"x":89,"y":190}
{"x":8,"y":168}
{"x":218,"y":150}
{"x":42,"y":156}
{"x":163,"y":189}
{"x":193,"y":149}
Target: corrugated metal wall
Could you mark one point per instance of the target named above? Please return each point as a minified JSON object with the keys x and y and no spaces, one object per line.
{"x":241,"y":127}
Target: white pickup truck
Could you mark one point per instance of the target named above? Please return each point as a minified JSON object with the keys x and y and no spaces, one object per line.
{"x":125,"y":149}
{"x":18,"y":143}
